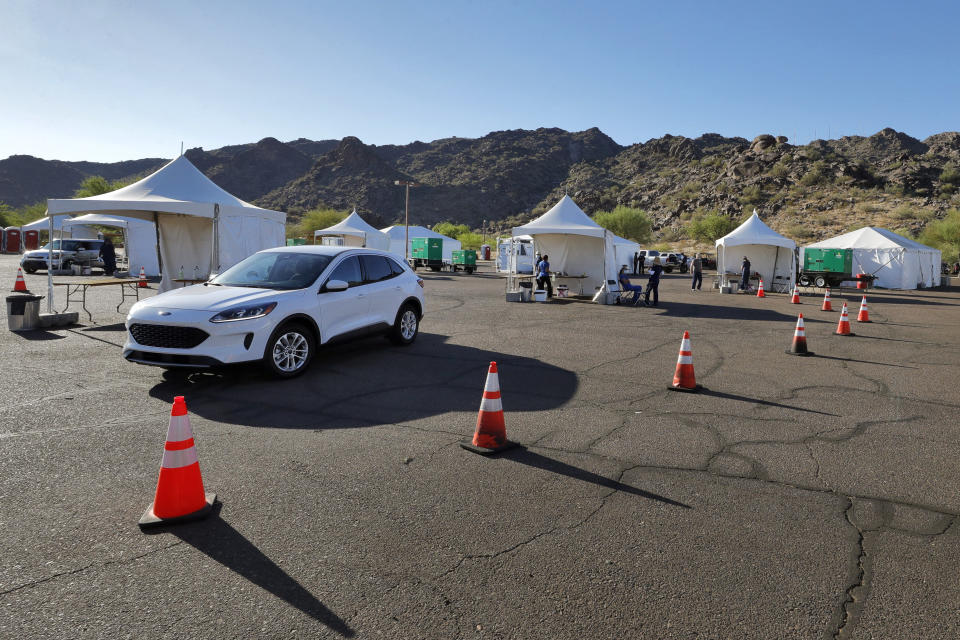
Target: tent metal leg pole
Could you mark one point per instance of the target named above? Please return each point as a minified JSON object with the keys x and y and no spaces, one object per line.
{"x":49,"y":265}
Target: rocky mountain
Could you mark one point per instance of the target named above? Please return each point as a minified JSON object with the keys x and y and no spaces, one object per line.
{"x":25,"y":179}
{"x":508,"y":177}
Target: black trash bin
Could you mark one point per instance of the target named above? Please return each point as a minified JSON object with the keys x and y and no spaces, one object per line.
{"x":23,"y":312}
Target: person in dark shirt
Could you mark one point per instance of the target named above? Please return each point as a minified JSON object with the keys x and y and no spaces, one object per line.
{"x":108,"y":255}
{"x":745,"y":274}
{"x":543,"y":276}
{"x":653,"y":284}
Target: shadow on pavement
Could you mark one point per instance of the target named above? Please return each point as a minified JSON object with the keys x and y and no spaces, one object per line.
{"x":668,"y":307}
{"x":216,"y":539}
{"x":38,"y":335}
{"x":767,"y":403}
{"x":525,"y":456}
{"x":369,"y":382}
{"x":885,"y":364}
{"x":117,"y":326}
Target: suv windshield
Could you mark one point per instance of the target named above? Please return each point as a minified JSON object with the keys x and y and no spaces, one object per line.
{"x":278,"y":270}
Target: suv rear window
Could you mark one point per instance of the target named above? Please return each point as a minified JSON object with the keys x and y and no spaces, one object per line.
{"x":376,"y":268}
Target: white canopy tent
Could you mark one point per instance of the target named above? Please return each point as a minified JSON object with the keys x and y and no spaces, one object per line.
{"x":43,"y":224}
{"x":897,"y":261}
{"x":201,"y":228}
{"x":356,"y":232}
{"x":139,"y":239}
{"x":623,"y":250}
{"x":771,"y":255}
{"x":575,"y":245}
{"x":397,"y":234}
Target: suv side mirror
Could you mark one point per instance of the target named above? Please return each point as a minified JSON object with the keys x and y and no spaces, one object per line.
{"x":334,"y":285}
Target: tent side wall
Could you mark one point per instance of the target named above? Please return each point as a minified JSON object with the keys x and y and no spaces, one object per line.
{"x":574,"y":255}
{"x":775,"y":267}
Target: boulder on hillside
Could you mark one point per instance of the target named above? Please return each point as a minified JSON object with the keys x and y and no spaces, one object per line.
{"x":762,"y":142}
{"x":781,"y":139}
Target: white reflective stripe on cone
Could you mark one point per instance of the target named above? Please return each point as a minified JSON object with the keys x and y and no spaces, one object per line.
{"x":685,"y":360}
{"x":493,"y":382}
{"x":177,"y":459}
{"x":491,"y":404}
{"x":179,"y":429}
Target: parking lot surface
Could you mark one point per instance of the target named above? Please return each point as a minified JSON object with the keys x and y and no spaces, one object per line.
{"x":791,"y":498}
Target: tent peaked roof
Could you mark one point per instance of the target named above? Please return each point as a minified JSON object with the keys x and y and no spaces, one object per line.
{"x":177,"y":187}
{"x":353,"y":224}
{"x":563,"y":217}
{"x":754,"y":231}
{"x":870,"y":238}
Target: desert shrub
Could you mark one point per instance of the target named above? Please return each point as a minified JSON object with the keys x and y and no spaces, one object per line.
{"x":314,"y":220}
{"x":904,"y":212}
{"x":690,"y":190}
{"x":752,"y":194}
{"x":97,"y":185}
{"x":894,"y":188}
{"x":950,"y":175}
{"x":779,"y":170}
{"x":866,"y":207}
{"x":450,"y":229}
{"x":672,"y":235}
{"x":816,"y":175}
{"x":948,"y":188}
{"x":944,"y":234}
{"x":712,"y":161}
{"x":627,"y":222}
{"x":708,"y":226}
{"x":469,"y":240}
{"x":798,"y":231}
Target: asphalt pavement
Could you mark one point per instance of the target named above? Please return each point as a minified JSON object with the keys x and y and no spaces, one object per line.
{"x":791,"y":498}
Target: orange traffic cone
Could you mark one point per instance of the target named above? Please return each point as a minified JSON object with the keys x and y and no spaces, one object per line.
{"x":760,"y":293}
{"x":864,"y":315}
{"x":180,"y":493}
{"x":491,"y":434}
{"x":684,"y":378}
{"x":795,"y":299}
{"x":20,"y":285}
{"x":143,"y":279}
{"x":826,"y":301}
{"x":799,"y":346}
{"x":843,"y":329}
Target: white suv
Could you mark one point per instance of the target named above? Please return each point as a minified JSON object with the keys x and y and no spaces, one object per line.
{"x":278,"y":306}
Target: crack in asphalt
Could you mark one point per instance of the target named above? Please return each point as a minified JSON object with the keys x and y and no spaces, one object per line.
{"x":860,"y":583}
{"x":107,"y":563}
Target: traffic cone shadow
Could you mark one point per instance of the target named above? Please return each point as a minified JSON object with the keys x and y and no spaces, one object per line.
{"x":490,"y":436}
{"x":180,"y":496}
{"x":684,"y":378}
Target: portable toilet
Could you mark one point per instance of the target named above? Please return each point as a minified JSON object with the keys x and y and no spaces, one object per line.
{"x":12,"y":238}
{"x":31,"y":239}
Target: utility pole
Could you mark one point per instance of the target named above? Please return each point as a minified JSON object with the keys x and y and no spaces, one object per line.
{"x":406,"y":223}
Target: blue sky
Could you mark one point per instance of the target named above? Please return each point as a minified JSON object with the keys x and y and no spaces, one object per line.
{"x":110,"y":80}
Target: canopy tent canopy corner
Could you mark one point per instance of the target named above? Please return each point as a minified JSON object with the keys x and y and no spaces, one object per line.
{"x":200,"y":227}
{"x":356,"y":232}
{"x":771,"y":255}
{"x":575,"y":244}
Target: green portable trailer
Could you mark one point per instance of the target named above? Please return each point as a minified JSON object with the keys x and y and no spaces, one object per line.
{"x":427,"y":252}
{"x":465,"y":259}
{"x":826,"y":267}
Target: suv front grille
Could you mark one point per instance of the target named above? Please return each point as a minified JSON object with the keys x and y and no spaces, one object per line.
{"x":167,"y":337}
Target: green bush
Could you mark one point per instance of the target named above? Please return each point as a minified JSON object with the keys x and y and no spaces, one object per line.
{"x":690,"y":190}
{"x":816,"y":175}
{"x":315,"y":220}
{"x":798,"y":231}
{"x":944,"y":234}
{"x":628,"y":222}
{"x":97,"y":185}
{"x":469,"y":239}
{"x":950,"y":175}
{"x":708,"y":226}
{"x":450,"y":229}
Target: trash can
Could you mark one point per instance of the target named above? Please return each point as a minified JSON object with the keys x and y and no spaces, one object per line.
{"x":23,"y":312}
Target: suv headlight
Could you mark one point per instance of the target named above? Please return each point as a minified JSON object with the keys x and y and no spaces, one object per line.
{"x":247,"y":312}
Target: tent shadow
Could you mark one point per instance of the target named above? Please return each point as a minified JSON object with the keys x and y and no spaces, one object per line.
{"x":881,"y":299}
{"x":220,"y":542}
{"x":117,"y":326}
{"x":367,"y":383}
{"x":767,"y":403}
{"x":38,"y":335}
{"x":724,"y":312}
{"x":523,"y":455}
